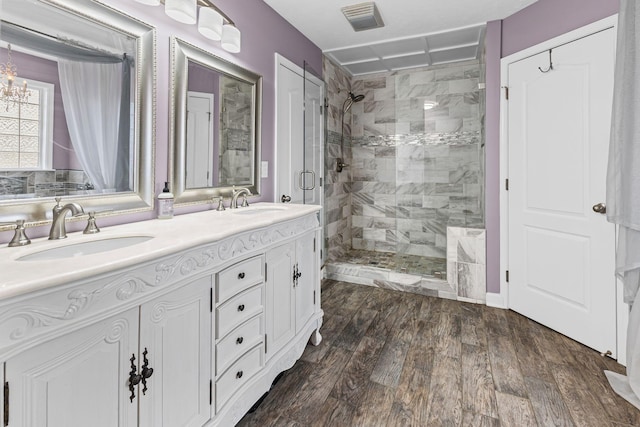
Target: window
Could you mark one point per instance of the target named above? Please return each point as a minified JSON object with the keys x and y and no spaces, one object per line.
{"x":26,"y":130}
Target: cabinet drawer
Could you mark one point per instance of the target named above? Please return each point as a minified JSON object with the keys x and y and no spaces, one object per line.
{"x":238,"y":341}
{"x":239,"y":277}
{"x":238,"y":309}
{"x":238,"y":374}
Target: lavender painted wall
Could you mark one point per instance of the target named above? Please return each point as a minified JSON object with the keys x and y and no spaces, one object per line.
{"x":264,"y":33}
{"x":492,"y":154}
{"x":546,"y":19}
{"x":541,"y":21}
{"x":44,"y":70}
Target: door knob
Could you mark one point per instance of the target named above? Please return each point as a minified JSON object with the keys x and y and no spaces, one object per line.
{"x":285,"y":199}
{"x":600,"y":208}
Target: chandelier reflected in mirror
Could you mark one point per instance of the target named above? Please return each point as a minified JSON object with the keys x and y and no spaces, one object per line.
{"x":9,"y":93}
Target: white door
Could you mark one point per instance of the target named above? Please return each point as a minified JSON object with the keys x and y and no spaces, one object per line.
{"x":299,"y":135}
{"x":175,"y":331}
{"x":561,"y":252}
{"x":78,"y":380}
{"x":199,"y":167}
{"x":290,"y":135}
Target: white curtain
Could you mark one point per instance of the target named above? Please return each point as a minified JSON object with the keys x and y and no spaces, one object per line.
{"x":623,"y":188}
{"x":91,"y":94}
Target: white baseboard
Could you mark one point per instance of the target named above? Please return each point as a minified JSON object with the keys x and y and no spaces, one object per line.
{"x":496,"y":300}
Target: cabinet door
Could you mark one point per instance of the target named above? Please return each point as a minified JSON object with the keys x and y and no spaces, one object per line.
{"x":79,"y":379}
{"x":307,"y":259}
{"x":175,"y":329}
{"x":280,"y":315}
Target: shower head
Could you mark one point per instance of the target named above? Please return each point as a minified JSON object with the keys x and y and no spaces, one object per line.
{"x":356,"y":98}
{"x":351,"y":99}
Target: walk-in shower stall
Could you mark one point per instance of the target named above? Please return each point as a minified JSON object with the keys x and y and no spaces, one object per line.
{"x":415,"y":155}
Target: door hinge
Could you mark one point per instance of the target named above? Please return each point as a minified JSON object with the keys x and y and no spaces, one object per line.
{"x":321,"y":110}
{"x":210,"y":392}
{"x":265,"y":343}
{"x":507,"y":276}
{"x":265,"y":272}
{"x":6,"y":403}
{"x":314,"y":297}
{"x":506,"y":92}
{"x":211,"y":300}
{"x":314,"y":244}
{"x":320,"y":181}
{"x":506,"y":184}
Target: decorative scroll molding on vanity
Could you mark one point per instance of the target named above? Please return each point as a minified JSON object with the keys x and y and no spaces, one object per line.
{"x":188,"y":328}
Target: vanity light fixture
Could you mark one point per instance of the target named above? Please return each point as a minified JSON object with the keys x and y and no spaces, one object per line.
{"x":210,"y":23}
{"x":213,"y":23}
{"x":184,"y":11}
{"x":230,"y":38}
{"x":9,"y":93}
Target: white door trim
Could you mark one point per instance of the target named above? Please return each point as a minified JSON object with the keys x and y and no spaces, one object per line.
{"x":503,"y":296}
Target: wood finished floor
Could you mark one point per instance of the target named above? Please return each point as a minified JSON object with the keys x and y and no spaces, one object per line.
{"x":395,"y":359}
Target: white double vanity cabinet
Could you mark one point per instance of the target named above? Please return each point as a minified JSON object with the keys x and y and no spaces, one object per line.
{"x":181,"y":322}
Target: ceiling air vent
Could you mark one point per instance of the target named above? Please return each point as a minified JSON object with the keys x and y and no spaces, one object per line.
{"x":363,"y":16}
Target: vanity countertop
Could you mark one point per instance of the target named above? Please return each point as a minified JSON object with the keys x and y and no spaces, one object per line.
{"x":168,"y":237}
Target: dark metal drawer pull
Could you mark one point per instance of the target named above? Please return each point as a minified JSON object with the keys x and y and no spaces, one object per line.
{"x":241,"y":307}
{"x":239,"y":340}
{"x":239,"y":374}
{"x":241,"y":275}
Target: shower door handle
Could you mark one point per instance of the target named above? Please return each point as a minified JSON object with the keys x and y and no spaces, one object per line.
{"x":301,"y":180}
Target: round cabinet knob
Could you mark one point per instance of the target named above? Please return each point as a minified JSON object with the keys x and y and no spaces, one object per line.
{"x":239,"y":340}
{"x":241,"y":275}
{"x":239,"y":374}
{"x":241,"y":307}
{"x":285,"y":199}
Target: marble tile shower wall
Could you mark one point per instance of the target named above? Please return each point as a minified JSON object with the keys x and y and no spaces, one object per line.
{"x":416,"y":171}
{"x":61,"y":182}
{"x":337,"y":186}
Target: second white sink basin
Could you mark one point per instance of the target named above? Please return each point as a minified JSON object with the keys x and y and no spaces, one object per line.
{"x":256,"y":210}
{"x":85,"y":248}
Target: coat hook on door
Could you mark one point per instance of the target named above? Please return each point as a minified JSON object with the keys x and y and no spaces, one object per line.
{"x":550,"y":64}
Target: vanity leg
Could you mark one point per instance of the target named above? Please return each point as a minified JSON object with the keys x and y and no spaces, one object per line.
{"x":316,"y":338}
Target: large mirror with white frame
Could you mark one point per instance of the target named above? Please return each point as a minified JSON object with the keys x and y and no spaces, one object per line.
{"x":77,"y":120}
{"x":215,"y":125}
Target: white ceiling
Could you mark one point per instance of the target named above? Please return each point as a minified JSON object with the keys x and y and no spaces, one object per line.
{"x":416,"y":32}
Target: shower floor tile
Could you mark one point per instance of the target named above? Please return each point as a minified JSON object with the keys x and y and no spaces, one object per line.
{"x":409,"y":264}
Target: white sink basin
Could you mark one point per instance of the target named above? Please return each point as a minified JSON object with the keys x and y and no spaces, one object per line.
{"x":85,"y":248}
{"x":257,"y":210}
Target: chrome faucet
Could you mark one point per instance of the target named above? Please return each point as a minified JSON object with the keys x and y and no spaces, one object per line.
{"x":237,"y":193}
{"x":58,"y":228}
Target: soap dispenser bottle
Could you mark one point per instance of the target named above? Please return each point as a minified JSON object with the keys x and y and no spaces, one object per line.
{"x":165,"y":203}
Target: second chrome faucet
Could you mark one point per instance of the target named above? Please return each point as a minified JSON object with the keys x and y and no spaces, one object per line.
{"x":237,"y":193}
